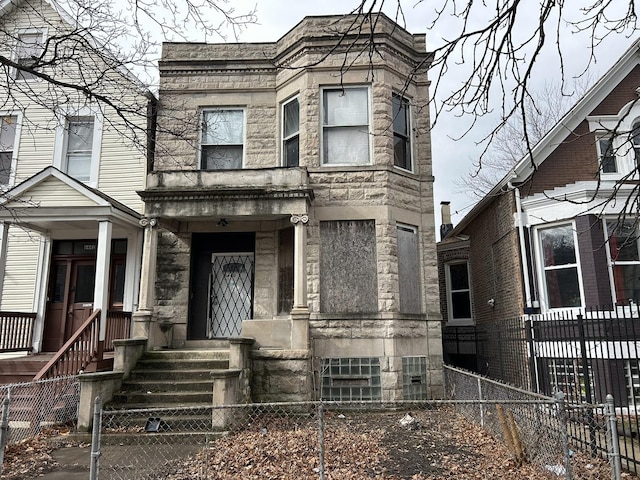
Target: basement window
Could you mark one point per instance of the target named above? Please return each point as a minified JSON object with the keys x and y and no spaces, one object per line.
{"x":414,"y":378}
{"x":351,"y":379}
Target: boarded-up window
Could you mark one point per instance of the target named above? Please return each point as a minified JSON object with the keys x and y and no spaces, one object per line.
{"x":348,"y":270}
{"x":285,"y":270}
{"x":408,"y":269}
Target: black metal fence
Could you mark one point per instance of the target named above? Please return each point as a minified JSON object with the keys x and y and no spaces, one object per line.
{"x":586,"y":355}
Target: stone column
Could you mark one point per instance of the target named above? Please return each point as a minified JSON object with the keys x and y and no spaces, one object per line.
{"x":300,"y":311}
{"x":143,"y":315}
{"x":103,"y":262}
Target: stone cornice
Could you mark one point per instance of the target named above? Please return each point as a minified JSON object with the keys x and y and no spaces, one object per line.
{"x":231,"y":194}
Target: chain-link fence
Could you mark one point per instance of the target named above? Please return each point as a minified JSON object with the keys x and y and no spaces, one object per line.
{"x":34,"y":406}
{"x":511,"y":435}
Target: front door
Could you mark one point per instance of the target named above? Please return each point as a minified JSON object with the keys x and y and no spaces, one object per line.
{"x":230,"y":293}
{"x":71,"y":289}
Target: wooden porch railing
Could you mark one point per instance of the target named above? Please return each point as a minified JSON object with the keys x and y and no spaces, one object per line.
{"x":16,"y":331}
{"x":118,"y":328}
{"x":85,"y":346}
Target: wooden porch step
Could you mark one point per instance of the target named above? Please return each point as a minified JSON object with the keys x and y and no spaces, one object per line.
{"x":20,"y":369}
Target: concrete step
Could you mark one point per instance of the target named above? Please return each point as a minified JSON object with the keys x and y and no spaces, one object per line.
{"x":190,"y":353}
{"x":174,"y":386}
{"x":180,"y":364}
{"x":169,"y":375}
{"x":162,"y":397}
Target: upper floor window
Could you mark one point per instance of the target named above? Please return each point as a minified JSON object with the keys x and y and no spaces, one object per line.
{"x":78,"y":141}
{"x":7,"y":143}
{"x":79,"y":148}
{"x":291,"y":133}
{"x":401,"y":133}
{"x":222,"y":139}
{"x":29,"y":48}
{"x":458,"y":293}
{"x":635,"y":141}
{"x":345,"y":126}
{"x":624,"y":255}
{"x":607,"y":156}
{"x":560,"y":267}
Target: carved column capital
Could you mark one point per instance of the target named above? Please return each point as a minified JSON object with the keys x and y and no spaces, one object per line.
{"x":299,"y":218}
{"x":148,"y":222}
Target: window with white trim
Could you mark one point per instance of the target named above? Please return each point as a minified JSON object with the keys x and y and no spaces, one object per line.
{"x":345,"y":126}
{"x":78,"y":144}
{"x":635,"y":142}
{"x":632,"y":380}
{"x":458,"y":293}
{"x":79,"y":151}
{"x":401,"y":132}
{"x":8,"y":125}
{"x":29,"y":48}
{"x":291,"y":133}
{"x":222,"y":146}
{"x":607,"y":155}
{"x":560,"y":266}
{"x":624,"y":259}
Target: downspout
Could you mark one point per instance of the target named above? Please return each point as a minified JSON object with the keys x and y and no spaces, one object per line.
{"x":523,"y":249}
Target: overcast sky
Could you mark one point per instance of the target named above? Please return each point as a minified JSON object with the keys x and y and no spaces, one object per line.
{"x":452,"y":157}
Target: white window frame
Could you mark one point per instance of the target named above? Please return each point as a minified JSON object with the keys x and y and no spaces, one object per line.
{"x":60,"y":149}
{"x":323,"y":160}
{"x":14,"y":56}
{"x":410,"y":138}
{"x":544,"y":300}
{"x":611,"y":263}
{"x":600,"y":139}
{"x":203,"y":112}
{"x":16,"y":146}
{"x":284,"y":139}
{"x":457,"y":322}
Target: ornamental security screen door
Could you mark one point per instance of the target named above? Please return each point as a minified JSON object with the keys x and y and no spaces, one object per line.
{"x":230,"y":293}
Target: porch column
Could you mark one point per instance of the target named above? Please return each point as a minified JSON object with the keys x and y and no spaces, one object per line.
{"x":300,"y":311}
{"x":101,"y":289}
{"x":142,"y":317}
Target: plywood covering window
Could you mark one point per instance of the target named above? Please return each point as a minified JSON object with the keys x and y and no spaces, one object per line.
{"x":408,"y":269}
{"x":348,"y":267}
{"x":285,"y":270}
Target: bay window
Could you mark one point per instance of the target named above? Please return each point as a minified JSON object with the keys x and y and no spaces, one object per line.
{"x":291,"y":133}
{"x":624,"y":259}
{"x":345,"y":126}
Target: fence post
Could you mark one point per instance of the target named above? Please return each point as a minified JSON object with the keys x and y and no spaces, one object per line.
{"x":612,"y":439}
{"x":562,"y":412}
{"x":481,"y":402}
{"x":4,"y":430}
{"x":95,"y":439}
{"x":321,"y":438}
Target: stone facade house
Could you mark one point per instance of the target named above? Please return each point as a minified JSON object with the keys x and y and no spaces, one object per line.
{"x":70,"y":238}
{"x":559,"y":234}
{"x":290,"y":201}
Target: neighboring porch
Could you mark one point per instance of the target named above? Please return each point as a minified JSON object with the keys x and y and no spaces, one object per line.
{"x":70,"y":270}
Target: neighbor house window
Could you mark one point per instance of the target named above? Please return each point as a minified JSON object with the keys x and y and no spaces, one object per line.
{"x":635,"y":140}
{"x":567,"y":376}
{"x":29,"y":48}
{"x":632,"y":380}
{"x":7,"y":143}
{"x":560,"y":267}
{"x":458,"y":293}
{"x":607,"y":155}
{"x":401,"y":133}
{"x":291,"y":133}
{"x":222,"y":139}
{"x":624,"y":254}
{"x":79,"y":153}
{"x":345,"y":126}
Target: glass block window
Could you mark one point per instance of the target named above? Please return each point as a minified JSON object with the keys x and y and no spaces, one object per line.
{"x":414,"y":378}
{"x":351,"y":379}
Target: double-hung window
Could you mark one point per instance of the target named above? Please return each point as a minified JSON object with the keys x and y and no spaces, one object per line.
{"x":291,"y":133}
{"x":79,"y":152}
{"x":607,"y":155}
{"x":345,"y":126}
{"x":29,"y":49}
{"x":560,"y":267}
{"x":222,"y":145}
{"x":635,"y":141}
{"x":624,"y":254}
{"x":458,"y":293}
{"x":401,"y":133}
{"x":7,"y":144}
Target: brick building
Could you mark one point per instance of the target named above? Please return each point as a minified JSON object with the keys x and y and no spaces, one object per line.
{"x":560,"y":232}
{"x":291,"y":202}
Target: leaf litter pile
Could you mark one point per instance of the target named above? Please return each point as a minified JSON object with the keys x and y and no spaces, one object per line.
{"x":427,"y":445}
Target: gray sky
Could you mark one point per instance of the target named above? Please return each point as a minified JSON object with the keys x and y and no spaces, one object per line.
{"x":452,"y":157}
